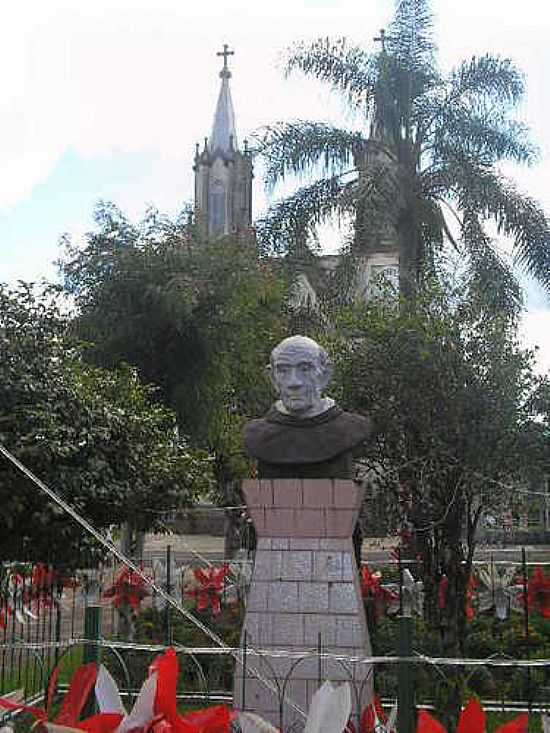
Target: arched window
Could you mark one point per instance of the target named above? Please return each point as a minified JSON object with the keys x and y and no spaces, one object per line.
{"x":216,"y":207}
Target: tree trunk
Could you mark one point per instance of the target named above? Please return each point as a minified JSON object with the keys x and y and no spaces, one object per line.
{"x":453,"y":618}
{"x":238,"y":531}
{"x":409,"y":242}
{"x":446,"y":572}
{"x":429,"y":570}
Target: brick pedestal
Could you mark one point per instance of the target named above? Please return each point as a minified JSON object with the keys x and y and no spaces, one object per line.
{"x":304,"y":595}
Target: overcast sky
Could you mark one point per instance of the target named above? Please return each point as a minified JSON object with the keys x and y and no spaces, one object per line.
{"x":105,"y":99}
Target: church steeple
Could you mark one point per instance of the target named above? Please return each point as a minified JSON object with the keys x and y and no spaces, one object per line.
{"x":223,"y":174}
{"x":224,"y":136}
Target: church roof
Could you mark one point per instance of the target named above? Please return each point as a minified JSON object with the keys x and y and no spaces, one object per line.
{"x":224,"y":136}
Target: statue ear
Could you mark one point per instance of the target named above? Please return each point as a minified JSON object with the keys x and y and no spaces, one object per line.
{"x":269,"y":372}
{"x":326,"y":375}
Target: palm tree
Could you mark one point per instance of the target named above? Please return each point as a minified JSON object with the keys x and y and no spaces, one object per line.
{"x":423,"y":171}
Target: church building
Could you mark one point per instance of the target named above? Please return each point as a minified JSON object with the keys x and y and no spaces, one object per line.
{"x":223,"y":173}
{"x":223,"y":201}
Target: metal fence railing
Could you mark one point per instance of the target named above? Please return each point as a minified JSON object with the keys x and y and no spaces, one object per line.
{"x":206,"y":674}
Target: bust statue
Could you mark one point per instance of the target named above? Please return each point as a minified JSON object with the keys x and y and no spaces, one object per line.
{"x":305,"y":434}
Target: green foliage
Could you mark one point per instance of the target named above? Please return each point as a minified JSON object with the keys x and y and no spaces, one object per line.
{"x":429,"y":145}
{"x":488,"y":638}
{"x":196,"y":318}
{"x":442,"y":379}
{"x":97,"y":437}
{"x":449,"y":391}
{"x":217,"y":669}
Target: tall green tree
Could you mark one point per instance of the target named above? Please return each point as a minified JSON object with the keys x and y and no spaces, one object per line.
{"x":99,"y":438}
{"x":197,"y":318}
{"x":451,"y":395}
{"x":422,"y":168}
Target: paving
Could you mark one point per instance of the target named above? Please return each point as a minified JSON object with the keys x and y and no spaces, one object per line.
{"x":375,"y":550}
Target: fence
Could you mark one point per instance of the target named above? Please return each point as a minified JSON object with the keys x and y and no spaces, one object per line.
{"x":128,"y":664}
{"x":44,"y":610}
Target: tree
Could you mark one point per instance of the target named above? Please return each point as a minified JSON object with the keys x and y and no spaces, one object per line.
{"x":195,"y":317}
{"x":425,"y":163}
{"x":451,"y":394}
{"x":97,"y":437}
{"x":537,"y":440}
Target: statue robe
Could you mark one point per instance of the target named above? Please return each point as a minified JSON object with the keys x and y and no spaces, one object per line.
{"x":322,"y":446}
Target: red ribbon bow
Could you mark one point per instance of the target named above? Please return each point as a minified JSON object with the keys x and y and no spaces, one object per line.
{"x":211,"y":582}
{"x":538,"y":593}
{"x":372,"y":589}
{"x":128,"y":589}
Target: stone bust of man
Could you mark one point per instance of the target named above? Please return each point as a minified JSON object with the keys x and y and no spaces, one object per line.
{"x":305,"y":434}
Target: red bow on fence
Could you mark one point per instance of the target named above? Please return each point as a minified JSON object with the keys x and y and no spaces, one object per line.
{"x":372,"y":590}
{"x":128,"y":589}
{"x":211,"y":583}
{"x":373,"y":718}
{"x":5,"y":613}
{"x":538,"y":593}
{"x":44,"y":582}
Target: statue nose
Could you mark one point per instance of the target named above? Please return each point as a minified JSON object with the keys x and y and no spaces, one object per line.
{"x":294,"y":380}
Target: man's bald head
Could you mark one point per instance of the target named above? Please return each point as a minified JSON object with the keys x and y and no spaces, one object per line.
{"x":304,"y":344}
{"x":300,"y":371}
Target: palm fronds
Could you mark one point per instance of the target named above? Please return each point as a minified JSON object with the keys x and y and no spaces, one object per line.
{"x":300,"y":147}
{"x":376,"y":196}
{"x":290,"y":224}
{"x":487,"y":135}
{"x":516,"y":215}
{"x":520,"y":217}
{"x":430,"y":141}
{"x":486,"y":268}
{"x":348,"y":69}
{"x":410,"y":38}
{"x":486,"y":76}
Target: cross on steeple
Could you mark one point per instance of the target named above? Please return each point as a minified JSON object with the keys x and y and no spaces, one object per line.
{"x":225,"y":53}
{"x":381,"y":39}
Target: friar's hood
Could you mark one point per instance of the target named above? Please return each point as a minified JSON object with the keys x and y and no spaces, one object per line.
{"x":285,"y":439}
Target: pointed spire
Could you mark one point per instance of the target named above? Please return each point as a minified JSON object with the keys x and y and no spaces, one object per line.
{"x":224,"y":136}
{"x":223,"y":174}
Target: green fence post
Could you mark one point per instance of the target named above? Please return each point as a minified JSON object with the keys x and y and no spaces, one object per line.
{"x":92,"y":634}
{"x":92,"y":649}
{"x":405,"y":678}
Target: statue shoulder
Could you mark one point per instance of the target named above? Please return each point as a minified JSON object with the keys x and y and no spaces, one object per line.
{"x":278,"y":438}
{"x":254,"y":433}
{"x":360,"y":426}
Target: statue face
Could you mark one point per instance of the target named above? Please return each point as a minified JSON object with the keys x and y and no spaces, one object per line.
{"x":299,"y":377}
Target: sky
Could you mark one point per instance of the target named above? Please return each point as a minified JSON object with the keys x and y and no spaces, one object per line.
{"x":105,"y":99}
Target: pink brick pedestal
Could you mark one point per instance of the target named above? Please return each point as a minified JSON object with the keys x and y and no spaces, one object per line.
{"x":304,"y":590}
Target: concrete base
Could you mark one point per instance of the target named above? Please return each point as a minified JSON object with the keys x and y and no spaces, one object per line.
{"x":304,"y":598}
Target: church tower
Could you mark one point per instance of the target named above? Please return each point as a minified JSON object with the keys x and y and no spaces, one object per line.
{"x":223,"y":174}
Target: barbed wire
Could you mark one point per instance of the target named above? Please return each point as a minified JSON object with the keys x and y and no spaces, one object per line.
{"x":416,"y":659}
{"x":222,"y":648}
